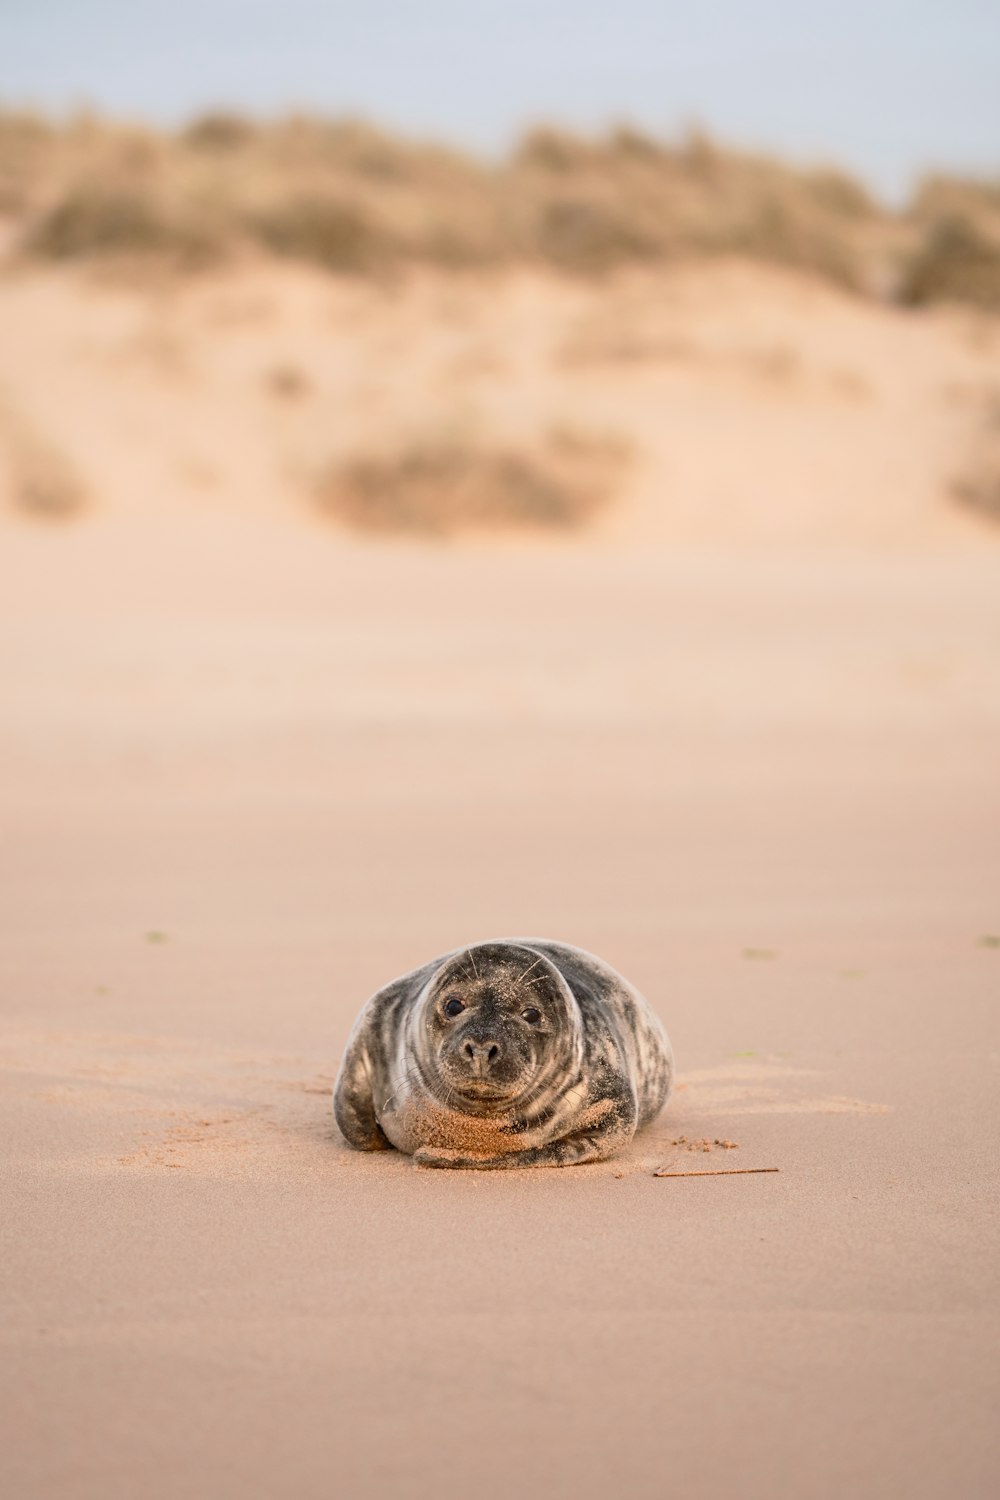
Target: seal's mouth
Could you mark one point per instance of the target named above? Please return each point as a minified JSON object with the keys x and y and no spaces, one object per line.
{"x":483,"y":1090}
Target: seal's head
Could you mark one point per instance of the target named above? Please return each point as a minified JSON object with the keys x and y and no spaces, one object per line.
{"x":497,"y":1025}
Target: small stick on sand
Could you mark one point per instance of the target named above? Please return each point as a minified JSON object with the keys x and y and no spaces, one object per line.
{"x":719,"y":1172}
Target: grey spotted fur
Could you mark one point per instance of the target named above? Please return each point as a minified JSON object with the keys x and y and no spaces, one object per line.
{"x":493,"y":1087}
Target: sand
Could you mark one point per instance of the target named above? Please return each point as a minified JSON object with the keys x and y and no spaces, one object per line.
{"x":251,"y":767}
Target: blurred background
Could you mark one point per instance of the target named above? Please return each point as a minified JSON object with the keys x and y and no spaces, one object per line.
{"x":410,"y":408}
{"x":471,"y":469}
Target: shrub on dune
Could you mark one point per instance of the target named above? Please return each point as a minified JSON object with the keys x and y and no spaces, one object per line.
{"x":96,"y":219}
{"x":327,"y":230}
{"x":957,"y":262}
{"x":442,"y":486}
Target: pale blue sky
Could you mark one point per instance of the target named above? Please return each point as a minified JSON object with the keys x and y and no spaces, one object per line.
{"x":889,"y":87}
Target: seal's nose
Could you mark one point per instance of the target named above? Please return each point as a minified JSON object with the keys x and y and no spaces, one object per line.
{"x":482,"y":1056}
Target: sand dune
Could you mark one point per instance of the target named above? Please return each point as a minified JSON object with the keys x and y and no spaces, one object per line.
{"x":722,"y":404}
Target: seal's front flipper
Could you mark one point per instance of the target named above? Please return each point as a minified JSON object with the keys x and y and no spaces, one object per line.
{"x":439,"y":1156}
{"x":353,"y":1104}
{"x":572,"y":1151}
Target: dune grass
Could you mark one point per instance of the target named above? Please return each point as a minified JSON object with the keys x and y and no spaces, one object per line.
{"x":957,"y":262}
{"x":978,"y":486}
{"x":40,"y":481}
{"x":440,"y":485}
{"x":346,"y":196}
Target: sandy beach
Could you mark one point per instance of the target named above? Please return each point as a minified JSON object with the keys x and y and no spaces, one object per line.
{"x":740,"y":737}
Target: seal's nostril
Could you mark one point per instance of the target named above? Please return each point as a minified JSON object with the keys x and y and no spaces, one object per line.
{"x":481,"y":1054}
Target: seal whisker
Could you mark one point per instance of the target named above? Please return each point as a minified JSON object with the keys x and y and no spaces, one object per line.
{"x":412,"y":1074}
{"x":409,"y":1074}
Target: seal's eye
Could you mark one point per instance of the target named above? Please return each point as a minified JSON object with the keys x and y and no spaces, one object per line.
{"x":532,"y":1015}
{"x":454,"y":1006}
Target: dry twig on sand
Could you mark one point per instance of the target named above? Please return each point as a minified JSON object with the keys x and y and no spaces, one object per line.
{"x":718,"y":1172}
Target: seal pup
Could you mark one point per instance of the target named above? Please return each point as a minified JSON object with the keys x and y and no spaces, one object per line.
{"x":513,"y":1053}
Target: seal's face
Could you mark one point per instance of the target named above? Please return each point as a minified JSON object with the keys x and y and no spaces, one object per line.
{"x":498,"y":1022}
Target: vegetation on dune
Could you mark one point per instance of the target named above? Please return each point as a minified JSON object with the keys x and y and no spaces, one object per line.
{"x":40,"y":481}
{"x":979,"y":485}
{"x":328,"y":231}
{"x":957,"y":262}
{"x":94,"y":219}
{"x":347,"y":196}
{"x":443,"y":485}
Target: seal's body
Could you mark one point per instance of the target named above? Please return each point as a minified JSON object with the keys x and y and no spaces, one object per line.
{"x":516,"y":1053}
